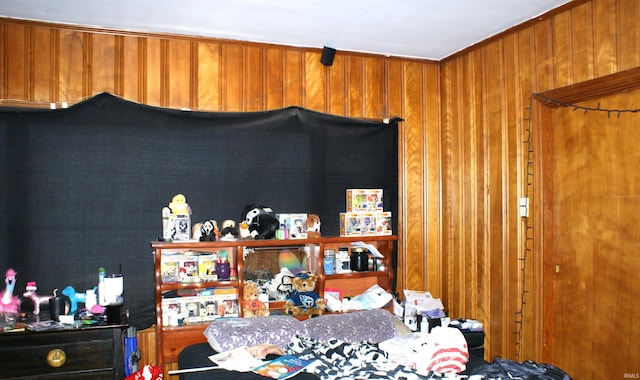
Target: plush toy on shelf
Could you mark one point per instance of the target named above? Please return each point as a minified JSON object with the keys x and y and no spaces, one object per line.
{"x":313,"y":226}
{"x":262,"y":222}
{"x":8,"y":302}
{"x":251,"y":304}
{"x":179,"y":205}
{"x":209,"y":230}
{"x":229,"y":230}
{"x":304,"y":301}
{"x":243,"y":230}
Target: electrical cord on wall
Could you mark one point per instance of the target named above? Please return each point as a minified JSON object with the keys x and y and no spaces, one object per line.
{"x":528,"y":229}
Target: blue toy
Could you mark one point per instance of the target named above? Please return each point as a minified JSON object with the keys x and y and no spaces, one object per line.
{"x":75,"y":297}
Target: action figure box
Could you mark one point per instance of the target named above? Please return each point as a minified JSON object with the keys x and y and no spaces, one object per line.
{"x":207,"y":266}
{"x":227,"y":301}
{"x":180,"y":227}
{"x":192,"y":308}
{"x":209,"y":303}
{"x":383,"y":223}
{"x":295,"y":225}
{"x":188,"y":269}
{"x":364,"y":200}
{"x":169,"y":267}
{"x":365,"y":223}
{"x":171,"y":311}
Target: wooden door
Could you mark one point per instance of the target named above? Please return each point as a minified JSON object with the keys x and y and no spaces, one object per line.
{"x":595,"y":232}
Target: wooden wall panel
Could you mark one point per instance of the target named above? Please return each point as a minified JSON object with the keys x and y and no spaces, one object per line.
{"x":16,"y":84}
{"x":576,"y":44}
{"x":103,"y":49}
{"x":41,"y":69}
{"x":209,"y":83}
{"x":413,"y":266}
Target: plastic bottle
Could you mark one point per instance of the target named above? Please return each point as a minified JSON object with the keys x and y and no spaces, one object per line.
{"x":90,"y":299}
{"x":101,"y":290}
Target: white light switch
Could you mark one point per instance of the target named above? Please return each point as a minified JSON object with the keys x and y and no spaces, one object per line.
{"x":523,"y":207}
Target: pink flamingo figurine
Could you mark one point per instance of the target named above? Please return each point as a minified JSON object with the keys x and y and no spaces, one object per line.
{"x":9,"y":303}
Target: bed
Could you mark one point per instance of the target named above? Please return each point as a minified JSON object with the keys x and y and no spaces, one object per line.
{"x":344,"y":345}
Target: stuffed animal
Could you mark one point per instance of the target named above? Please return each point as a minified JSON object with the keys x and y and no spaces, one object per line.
{"x":229,"y":230}
{"x":304,"y":301}
{"x":279,"y":286}
{"x":8,"y":302}
{"x":313,"y":226}
{"x":262,"y":222}
{"x":251,"y":305}
{"x":243,"y":230}
{"x":179,"y":205}
{"x":209,"y":230}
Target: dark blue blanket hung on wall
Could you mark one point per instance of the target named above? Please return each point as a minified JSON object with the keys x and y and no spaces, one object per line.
{"x":83,"y":187}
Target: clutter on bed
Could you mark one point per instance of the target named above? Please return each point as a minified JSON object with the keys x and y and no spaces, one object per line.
{"x":344,"y":345}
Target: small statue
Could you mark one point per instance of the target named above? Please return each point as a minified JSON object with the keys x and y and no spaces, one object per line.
{"x":8,"y":302}
{"x":37,"y":300}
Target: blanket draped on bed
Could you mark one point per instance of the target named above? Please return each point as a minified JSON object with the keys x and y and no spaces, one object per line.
{"x":362,"y":360}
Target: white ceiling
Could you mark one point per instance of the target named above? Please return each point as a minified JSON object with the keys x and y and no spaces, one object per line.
{"x":427,"y":29}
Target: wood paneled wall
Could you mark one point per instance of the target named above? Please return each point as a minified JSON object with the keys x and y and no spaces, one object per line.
{"x":485,"y":99}
{"x":462,"y":157}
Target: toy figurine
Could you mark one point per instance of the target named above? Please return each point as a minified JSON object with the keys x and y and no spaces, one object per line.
{"x":251,"y":304}
{"x":9,"y":303}
{"x":313,"y":226}
{"x":304,"y":300}
{"x":179,"y":205}
{"x":75,"y":297}
{"x":37,"y":300}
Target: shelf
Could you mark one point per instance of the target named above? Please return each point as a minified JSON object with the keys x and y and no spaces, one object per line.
{"x":199,"y":285}
{"x":249,"y":243}
{"x":355,"y":275}
{"x":170,"y":340}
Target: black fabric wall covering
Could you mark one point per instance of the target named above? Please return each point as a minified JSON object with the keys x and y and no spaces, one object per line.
{"x":83,"y":187}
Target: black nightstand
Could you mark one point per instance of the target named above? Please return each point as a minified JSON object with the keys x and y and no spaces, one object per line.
{"x":83,"y":353}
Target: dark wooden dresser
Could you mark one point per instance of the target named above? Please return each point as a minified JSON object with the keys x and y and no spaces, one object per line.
{"x":83,"y":353}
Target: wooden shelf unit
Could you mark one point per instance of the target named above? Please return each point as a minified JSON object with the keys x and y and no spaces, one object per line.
{"x":170,"y":340}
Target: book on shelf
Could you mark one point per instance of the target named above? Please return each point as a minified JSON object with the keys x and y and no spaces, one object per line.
{"x":283,"y":367}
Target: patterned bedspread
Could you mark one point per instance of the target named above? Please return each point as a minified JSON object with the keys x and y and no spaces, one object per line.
{"x":362,"y":360}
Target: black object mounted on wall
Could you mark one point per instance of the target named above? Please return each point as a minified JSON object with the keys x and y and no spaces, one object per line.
{"x":327,"y":56}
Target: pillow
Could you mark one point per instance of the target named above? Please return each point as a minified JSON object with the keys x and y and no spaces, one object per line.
{"x":373,"y":326}
{"x":225,"y":334}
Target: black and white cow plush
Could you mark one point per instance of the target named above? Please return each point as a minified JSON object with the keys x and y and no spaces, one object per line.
{"x":262,"y":222}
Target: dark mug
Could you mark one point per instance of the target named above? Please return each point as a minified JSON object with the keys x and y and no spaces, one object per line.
{"x":57,"y":306}
{"x":114,"y":314}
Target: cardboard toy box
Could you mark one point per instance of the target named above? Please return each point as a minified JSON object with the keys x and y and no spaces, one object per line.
{"x":294,"y":224}
{"x":360,"y":200}
{"x":365,"y":223}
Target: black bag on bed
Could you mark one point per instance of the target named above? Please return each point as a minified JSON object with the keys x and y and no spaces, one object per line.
{"x":528,"y":370}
